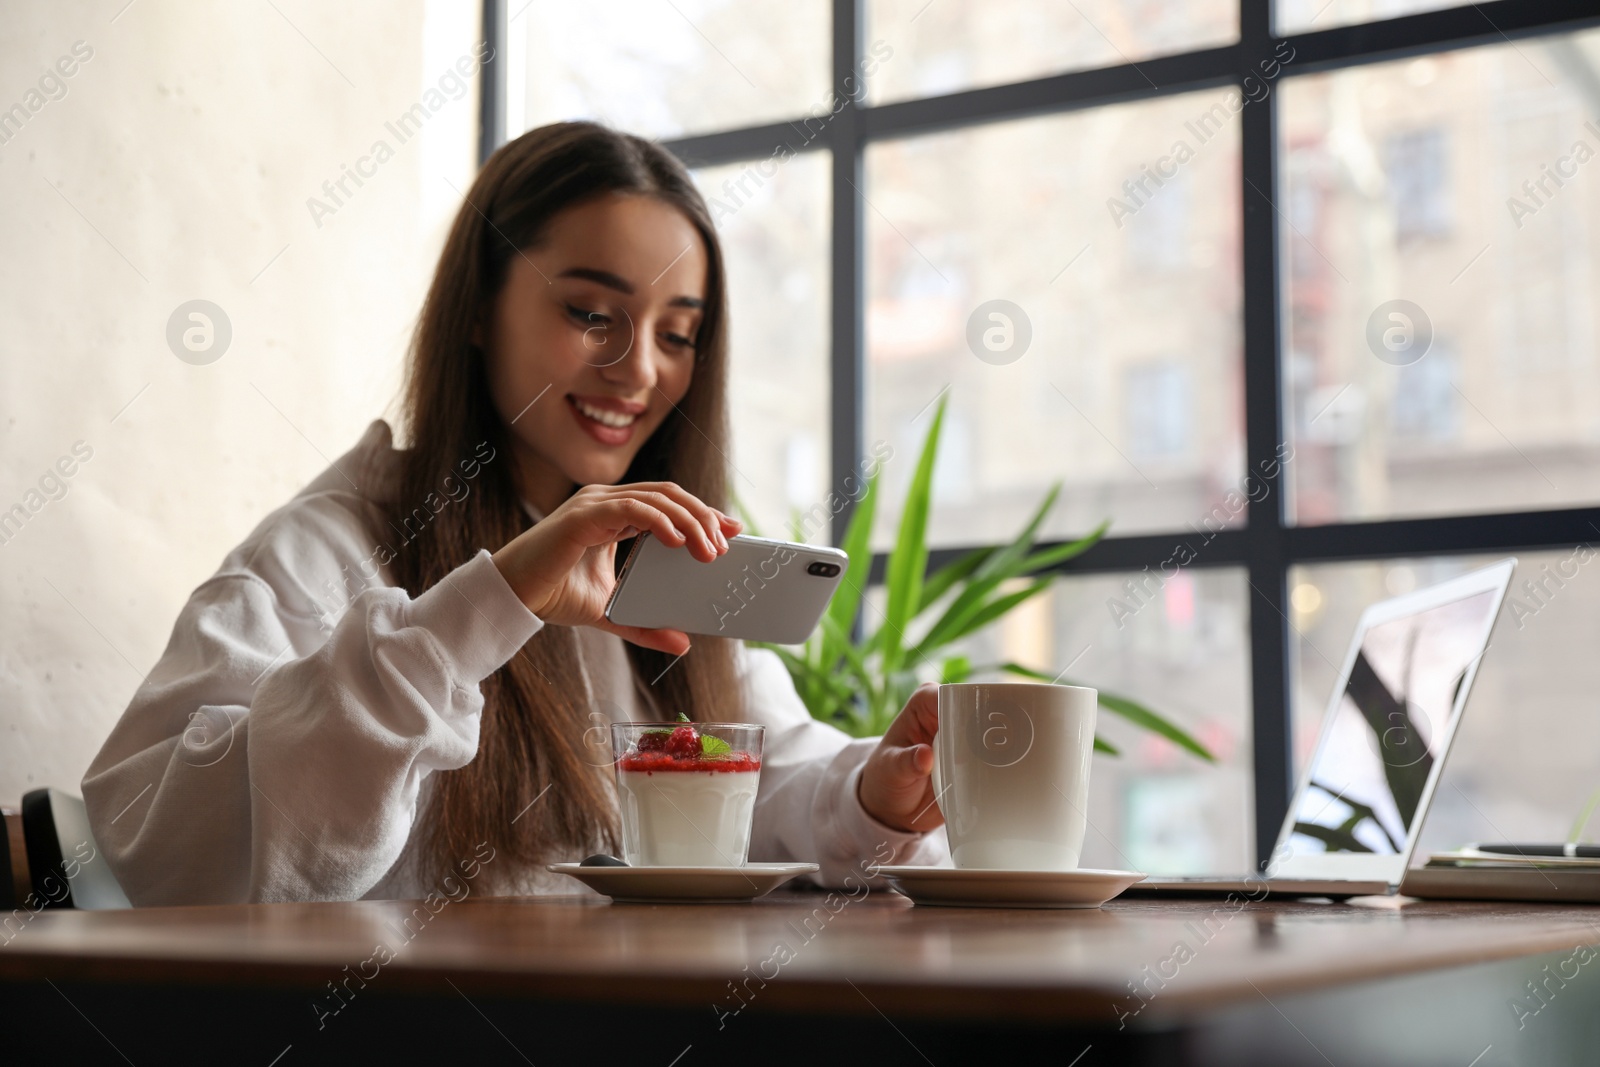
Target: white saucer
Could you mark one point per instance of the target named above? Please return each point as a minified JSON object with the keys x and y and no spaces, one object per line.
{"x":952,"y":887}
{"x":685,"y":885}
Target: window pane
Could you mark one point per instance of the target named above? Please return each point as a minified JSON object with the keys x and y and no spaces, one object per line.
{"x":1182,"y":649}
{"x":1441,"y":275}
{"x":928,"y":49}
{"x":1298,"y":16}
{"x":667,"y":69}
{"x":1112,"y":360}
{"x":1522,"y":763}
{"x":774,"y":230}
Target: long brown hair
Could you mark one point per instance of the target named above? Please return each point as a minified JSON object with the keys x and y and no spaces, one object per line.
{"x":536,"y":708}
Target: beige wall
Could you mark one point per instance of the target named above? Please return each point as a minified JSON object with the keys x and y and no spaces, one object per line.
{"x":177,"y":165}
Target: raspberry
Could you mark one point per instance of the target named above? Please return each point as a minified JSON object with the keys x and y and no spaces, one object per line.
{"x":684,"y":743}
{"x":653,"y":741}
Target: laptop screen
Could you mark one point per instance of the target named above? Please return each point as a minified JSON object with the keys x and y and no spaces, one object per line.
{"x":1371,"y":772}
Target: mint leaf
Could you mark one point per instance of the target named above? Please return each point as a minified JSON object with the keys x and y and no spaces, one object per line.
{"x":683,"y":718}
{"x":714,"y":746}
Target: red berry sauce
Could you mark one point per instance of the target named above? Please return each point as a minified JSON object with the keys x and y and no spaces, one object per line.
{"x":650,"y":762}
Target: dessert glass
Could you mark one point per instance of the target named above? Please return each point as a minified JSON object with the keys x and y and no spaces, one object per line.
{"x":687,"y":792}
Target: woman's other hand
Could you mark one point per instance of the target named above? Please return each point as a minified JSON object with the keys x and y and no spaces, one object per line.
{"x":896,"y":784}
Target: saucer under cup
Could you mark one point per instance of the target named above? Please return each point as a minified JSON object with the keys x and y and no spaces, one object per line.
{"x":685,"y":885}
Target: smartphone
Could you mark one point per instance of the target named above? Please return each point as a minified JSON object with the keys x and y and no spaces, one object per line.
{"x":758,"y":590}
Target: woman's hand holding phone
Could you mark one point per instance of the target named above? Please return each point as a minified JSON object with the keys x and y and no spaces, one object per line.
{"x":564,"y":567}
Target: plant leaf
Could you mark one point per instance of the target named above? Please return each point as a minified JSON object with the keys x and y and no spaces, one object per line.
{"x":896,"y":692}
{"x":1582,"y":822}
{"x":852,"y":588}
{"x":1001,"y":564}
{"x":1049,"y":557}
{"x":860,"y":686}
{"x":979,"y":616}
{"x":825,"y":696}
{"x":1145,"y":719}
{"x":909,"y":560}
{"x":1026,"y":672}
{"x":853,"y":659}
{"x":1008,"y":562}
{"x":941,"y":580}
{"x":955,"y":669}
{"x":1002,"y":605}
{"x":855,"y":679}
{"x":1131,"y":710}
{"x":1005,"y":561}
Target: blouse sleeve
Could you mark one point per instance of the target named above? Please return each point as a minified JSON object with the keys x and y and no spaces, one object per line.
{"x":265,"y":759}
{"x":808,"y":808}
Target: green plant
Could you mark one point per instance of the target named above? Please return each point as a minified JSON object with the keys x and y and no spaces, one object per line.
{"x":860,"y":685}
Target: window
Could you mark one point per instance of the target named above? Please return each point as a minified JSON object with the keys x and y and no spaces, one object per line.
{"x":774,"y":234}
{"x":1298,"y":16}
{"x":940,"y":48}
{"x":1125,"y":301}
{"x":1426,"y":407}
{"x":1158,"y":223}
{"x":665,"y":69}
{"x":1417,"y":166}
{"x":1157,"y":402}
{"x":1297,"y":293}
{"x":1441,"y":207}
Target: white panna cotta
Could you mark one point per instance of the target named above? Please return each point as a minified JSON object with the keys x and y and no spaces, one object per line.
{"x":687,"y":813}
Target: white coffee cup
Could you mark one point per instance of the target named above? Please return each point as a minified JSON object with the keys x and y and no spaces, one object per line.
{"x":1011,"y":773}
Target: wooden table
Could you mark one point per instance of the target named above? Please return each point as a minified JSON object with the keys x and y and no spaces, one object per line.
{"x":805,"y":977}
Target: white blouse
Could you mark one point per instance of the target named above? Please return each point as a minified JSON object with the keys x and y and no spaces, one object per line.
{"x":282,"y":747}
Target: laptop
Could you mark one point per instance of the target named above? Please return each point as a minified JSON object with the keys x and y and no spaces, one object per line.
{"x":1360,"y":805}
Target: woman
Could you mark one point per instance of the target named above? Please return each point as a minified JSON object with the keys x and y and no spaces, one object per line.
{"x":364,"y":700}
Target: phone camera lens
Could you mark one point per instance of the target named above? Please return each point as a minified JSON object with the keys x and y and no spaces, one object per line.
{"x":823,"y":570}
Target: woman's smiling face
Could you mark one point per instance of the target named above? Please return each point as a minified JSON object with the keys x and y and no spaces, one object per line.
{"x":592,"y":340}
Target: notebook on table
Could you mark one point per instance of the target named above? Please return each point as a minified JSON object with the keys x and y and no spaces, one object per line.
{"x":1473,"y":874}
{"x":1359,"y":807}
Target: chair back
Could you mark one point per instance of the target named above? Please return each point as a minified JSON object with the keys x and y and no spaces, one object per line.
{"x":67,"y":866}
{"x":8,"y":873}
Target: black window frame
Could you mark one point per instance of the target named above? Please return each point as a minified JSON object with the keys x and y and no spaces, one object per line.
{"x":1268,"y":546}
